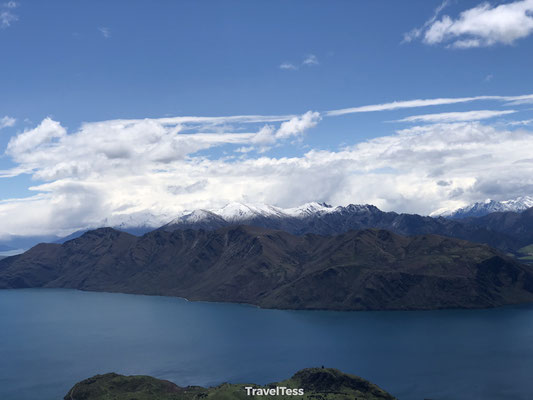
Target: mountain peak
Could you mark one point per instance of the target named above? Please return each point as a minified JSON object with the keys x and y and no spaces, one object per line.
{"x":487,"y":206}
{"x":234,"y":212}
{"x":308,"y":209}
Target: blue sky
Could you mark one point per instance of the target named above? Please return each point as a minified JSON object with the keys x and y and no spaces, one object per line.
{"x":76,"y":62}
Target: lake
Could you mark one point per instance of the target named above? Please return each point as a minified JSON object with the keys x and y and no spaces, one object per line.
{"x":52,"y":338}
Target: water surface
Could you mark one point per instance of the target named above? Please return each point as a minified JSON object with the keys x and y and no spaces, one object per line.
{"x":52,"y":338}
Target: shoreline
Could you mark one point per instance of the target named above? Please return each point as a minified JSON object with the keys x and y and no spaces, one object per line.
{"x":522,"y":304}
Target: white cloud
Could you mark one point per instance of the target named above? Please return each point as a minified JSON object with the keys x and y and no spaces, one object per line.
{"x":298,"y":125}
{"x":7,"y":122}
{"x":481,"y":26}
{"x":7,"y":18}
{"x":395,"y":105}
{"x":295,"y":127}
{"x":416,"y":32}
{"x":39,"y":137}
{"x":124,"y":167}
{"x":522,"y":122}
{"x":457,"y":116}
{"x":106,"y":32}
{"x":310,"y":59}
{"x":521,"y":101}
{"x":108,"y":169}
{"x":127,"y":144}
{"x":288,"y":65}
{"x":111,"y":169}
{"x":265,"y":137}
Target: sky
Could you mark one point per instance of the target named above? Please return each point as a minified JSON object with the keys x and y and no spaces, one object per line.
{"x":135,"y":109}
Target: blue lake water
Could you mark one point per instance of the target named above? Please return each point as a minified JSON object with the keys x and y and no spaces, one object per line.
{"x":52,"y":338}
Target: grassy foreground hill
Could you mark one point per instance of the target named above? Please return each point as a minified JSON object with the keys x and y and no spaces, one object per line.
{"x":370,"y":269}
{"x":317,"y":384}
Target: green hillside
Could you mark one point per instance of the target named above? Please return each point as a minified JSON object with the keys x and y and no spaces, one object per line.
{"x":317,"y":384}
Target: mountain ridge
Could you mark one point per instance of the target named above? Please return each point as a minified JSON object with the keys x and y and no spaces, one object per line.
{"x":482,"y":208}
{"x":368,"y":269}
{"x":324,"y":219}
{"x":320,"y":218}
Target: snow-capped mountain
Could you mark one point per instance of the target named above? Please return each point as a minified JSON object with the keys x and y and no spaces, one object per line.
{"x":239,"y":213}
{"x":480,"y":209}
{"x":310,"y":209}
{"x":236,"y":212}
{"x":323,"y":219}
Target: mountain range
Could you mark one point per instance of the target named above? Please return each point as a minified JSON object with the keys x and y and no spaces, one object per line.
{"x":370,"y":269}
{"x":483,"y":208}
{"x":320,"y":218}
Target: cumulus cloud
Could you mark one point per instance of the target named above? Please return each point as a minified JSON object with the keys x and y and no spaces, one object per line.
{"x":37,"y":138}
{"x":110,"y":169}
{"x":481,"y":26}
{"x":115,"y":145}
{"x":298,"y":125}
{"x":7,"y":122}
{"x":124,"y":167}
{"x":292,"y":128}
{"x":457,"y":116}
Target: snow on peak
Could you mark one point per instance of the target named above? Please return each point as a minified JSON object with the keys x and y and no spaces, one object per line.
{"x":197,"y":215}
{"x":307,"y":209}
{"x":520,"y":203}
{"x":235,"y":212}
{"x":240,"y":212}
{"x":488,"y":206}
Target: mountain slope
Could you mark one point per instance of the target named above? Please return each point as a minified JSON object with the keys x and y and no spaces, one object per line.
{"x":317,"y":383}
{"x":359,"y":270}
{"x":326,"y":220}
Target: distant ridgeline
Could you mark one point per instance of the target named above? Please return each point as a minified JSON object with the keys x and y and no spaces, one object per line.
{"x":508,"y":231}
{"x":311,"y":257}
{"x":315,"y":383}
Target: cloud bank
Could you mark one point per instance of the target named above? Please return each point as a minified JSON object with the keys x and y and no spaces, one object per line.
{"x":113,"y":171}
